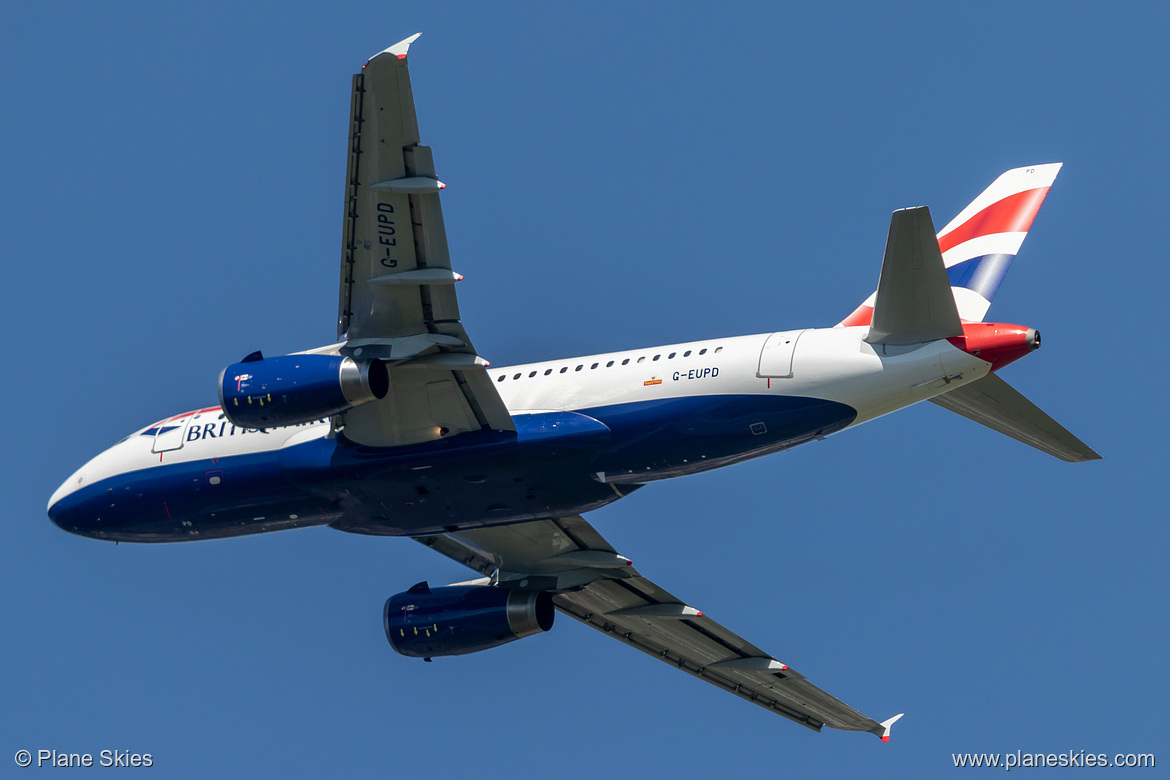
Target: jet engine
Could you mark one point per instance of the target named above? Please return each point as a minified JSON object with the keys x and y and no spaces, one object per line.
{"x":457,"y":619}
{"x":260,"y":392}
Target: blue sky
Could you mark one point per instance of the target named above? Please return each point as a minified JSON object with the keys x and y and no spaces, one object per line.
{"x":620,"y":175}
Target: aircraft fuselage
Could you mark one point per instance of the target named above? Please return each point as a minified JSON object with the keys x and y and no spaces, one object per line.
{"x":589,"y":430}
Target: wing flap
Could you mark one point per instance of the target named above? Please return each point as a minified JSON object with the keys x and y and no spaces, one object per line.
{"x":622,"y":603}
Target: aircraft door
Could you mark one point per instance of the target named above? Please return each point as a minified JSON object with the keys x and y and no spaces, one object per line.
{"x":776,"y":356}
{"x":170,"y":435}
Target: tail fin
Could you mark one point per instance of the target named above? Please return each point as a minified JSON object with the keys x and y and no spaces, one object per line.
{"x":979,"y":244}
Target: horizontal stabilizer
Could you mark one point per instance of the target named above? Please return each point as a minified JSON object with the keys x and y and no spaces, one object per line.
{"x":993,"y":402}
{"x":914,"y":303}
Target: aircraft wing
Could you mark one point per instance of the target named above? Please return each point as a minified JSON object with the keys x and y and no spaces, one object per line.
{"x":599,"y":587}
{"x":397,"y":298}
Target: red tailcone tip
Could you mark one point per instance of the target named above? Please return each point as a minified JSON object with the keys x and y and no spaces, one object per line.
{"x":996,"y":342}
{"x":459,"y":277}
{"x":442,"y":186}
{"x":886,"y":739}
{"x":401,"y":56}
{"x":784,"y":667}
{"x":700,"y":614}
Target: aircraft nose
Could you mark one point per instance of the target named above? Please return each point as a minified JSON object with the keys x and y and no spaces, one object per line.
{"x":104,"y":498}
{"x":78,"y":505}
{"x":65,"y":509}
{"x":66,"y":488}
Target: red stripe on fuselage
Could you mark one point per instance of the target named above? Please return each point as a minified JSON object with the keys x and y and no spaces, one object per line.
{"x":185,"y":414}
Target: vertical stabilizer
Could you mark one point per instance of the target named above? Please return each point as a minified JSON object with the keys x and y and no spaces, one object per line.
{"x":980,"y":243}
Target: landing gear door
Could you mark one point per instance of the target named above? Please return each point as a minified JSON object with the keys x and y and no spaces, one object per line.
{"x":776,"y":356}
{"x":170,"y":434}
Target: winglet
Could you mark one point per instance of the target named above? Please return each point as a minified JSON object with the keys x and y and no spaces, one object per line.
{"x":883,"y":730}
{"x":399,"y":49}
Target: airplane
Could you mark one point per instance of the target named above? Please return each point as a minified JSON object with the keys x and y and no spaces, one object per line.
{"x":401,"y":428}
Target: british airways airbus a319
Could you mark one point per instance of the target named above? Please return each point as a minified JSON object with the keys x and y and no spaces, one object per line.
{"x":401,"y":428}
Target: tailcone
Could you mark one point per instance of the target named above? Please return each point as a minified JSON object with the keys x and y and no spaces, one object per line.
{"x":996,"y":342}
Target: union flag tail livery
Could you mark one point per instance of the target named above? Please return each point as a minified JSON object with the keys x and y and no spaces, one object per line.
{"x":979,"y":244}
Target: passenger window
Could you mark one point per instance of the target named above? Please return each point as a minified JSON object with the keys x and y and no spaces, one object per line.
{"x":547,"y":371}
{"x":610,"y":363}
{"x":516,"y":377}
{"x":500,"y":378}
{"x":626,"y":361}
{"x":702,"y":352}
{"x":563,"y":370}
{"x":532,"y":375}
{"x":578,"y":368}
{"x":718,"y":350}
{"x":687,"y":353}
{"x":657,"y":356}
{"x":595,"y":365}
{"x":642,"y":359}
{"x":671,"y":356}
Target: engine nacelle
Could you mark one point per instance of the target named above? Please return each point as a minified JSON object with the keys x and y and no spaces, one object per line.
{"x":457,"y":619}
{"x":261,"y":392}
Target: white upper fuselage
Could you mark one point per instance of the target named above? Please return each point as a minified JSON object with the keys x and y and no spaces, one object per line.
{"x":834,"y":364}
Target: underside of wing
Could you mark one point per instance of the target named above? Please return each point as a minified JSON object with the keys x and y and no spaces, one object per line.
{"x":397,"y":298}
{"x":594,"y":584}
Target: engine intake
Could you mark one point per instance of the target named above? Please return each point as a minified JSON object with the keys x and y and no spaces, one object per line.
{"x":458,"y":619}
{"x":261,"y":392}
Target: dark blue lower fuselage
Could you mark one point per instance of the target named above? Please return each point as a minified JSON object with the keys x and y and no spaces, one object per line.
{"x":555,"y":464}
